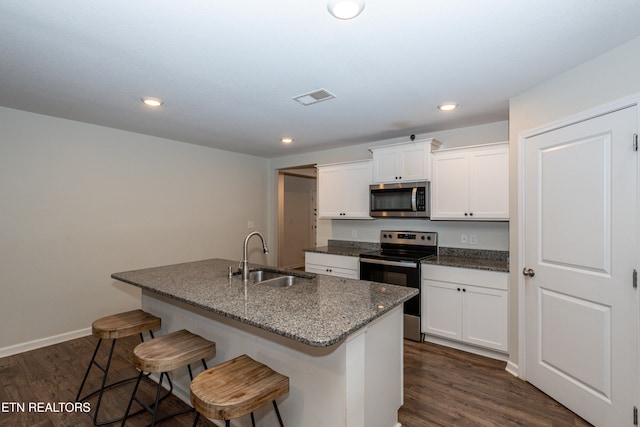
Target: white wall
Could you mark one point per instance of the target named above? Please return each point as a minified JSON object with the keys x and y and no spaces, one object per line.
{"x":491,"y":235}
{"x":611,"y":76}
{"x":79,"y":202}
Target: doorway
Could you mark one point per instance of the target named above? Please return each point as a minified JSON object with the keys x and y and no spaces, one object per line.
{"x":297,"y":219}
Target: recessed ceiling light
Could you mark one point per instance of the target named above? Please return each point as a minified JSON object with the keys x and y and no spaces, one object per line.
{"x":287,"y":140}
{"x":152,"y":102}
{"x":448,"y":106}
{"x":345,"y":9}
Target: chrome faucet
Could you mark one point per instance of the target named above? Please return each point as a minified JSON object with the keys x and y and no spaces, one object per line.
{"x":245,"y":256}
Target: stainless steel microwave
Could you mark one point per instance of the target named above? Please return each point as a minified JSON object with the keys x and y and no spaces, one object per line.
{"x":400,"y":200}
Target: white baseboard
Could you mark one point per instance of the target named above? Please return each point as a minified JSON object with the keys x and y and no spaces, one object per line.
{"x":467,"y":347}
{"x":513,"y":369}
{"x":43,"y":342}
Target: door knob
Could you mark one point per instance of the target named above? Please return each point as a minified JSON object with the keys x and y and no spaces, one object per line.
{"x":528,"y":272}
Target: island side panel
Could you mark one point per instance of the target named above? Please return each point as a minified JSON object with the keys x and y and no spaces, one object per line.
{"x":384,"y":380}
{"x":322,"y":379}
{"x":375,"y":366}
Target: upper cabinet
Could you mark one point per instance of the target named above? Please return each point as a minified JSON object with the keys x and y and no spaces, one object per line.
{"x":409,"y":161}
{"x":343,"y":190}
{"x":471,"y":183}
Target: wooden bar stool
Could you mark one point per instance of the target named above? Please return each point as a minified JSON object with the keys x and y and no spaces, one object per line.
{"x":112,"y":327}
{"x":164,"y":354}
{"x":236,"y":388}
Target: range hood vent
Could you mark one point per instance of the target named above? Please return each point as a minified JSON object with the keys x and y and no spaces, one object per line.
{"x":314,"y":97}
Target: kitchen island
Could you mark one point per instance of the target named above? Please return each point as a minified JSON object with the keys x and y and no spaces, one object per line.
{"x":338,"y":340}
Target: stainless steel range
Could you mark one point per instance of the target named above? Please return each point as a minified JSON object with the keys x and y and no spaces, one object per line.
{"x":398,"y":263}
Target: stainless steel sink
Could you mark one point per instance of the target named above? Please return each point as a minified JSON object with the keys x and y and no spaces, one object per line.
{"x":277,"y":279}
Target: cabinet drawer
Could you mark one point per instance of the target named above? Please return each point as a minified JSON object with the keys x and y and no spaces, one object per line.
{"x":336,"y":261}
{"x":466,"y":276}
{"x":332,"y":271}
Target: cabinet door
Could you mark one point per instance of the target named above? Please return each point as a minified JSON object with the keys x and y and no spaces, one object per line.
{"x":330,"y":192}
{"x":356,"y":181}
{"x":332,"y":271}
{"x":385,"y":163}
{"x":450,"y":186}
{"x":484,"y":314}
{"x":442,"y":313}
{"x":317,"y":269}
{"x":332,"y":265}
{"x":489,"y":183}
{"x":413,"y":164}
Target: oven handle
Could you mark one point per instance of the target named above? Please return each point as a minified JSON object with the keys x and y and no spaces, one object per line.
{"x":414,"y":193}
{"x":393,"y":263}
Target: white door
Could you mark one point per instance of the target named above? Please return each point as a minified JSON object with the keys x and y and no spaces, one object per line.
{"x":330,"y":192}
{"x":489,"y":183}
{"x":443,"y":309}
{"x":485,"y":317}
{"x":580,"y":241}
{"x":450,"y":185}
{"x":413,"y":163}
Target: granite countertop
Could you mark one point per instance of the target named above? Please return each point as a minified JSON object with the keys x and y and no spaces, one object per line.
{"x":337,"y":250}
{"x":319,"y":312}
{"x":478,"y":259}
{"x":474,"y":259}
{"x":345,"y":248}
{"x":473,"y":263}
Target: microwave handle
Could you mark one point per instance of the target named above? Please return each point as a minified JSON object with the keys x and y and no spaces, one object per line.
{"x":414,"y":194}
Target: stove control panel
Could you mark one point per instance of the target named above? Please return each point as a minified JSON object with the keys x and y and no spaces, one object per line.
{"x":422,"y":238}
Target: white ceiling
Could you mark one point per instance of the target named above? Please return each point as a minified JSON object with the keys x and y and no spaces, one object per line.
{"x":228,"y":70}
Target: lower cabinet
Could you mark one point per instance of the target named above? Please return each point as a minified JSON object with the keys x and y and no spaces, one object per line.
{"x":332,"y":265}
{"x":466,"y":305}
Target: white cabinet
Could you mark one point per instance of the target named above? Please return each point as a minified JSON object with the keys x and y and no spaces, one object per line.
{"x":466,"y":305}
{"x":332,"y":265}
{"x":471,"y":183}
{"x":343,"y":190}
{"x":403,"y":162}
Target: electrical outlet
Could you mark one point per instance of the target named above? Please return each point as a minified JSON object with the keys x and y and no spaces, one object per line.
{"x":473,"y":239}
{"x":463,"y":238}
{"x":354,"y":233}
{"x":250,"y":224}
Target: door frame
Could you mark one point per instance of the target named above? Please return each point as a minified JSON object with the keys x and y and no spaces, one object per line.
{"x":629,"y":101}
{"x":281,"y":173}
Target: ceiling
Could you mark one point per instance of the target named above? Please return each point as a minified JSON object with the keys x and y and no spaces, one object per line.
{"x":228,"y":70}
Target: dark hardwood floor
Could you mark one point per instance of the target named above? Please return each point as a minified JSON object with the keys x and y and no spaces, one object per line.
{"x":446,"y":387}
{"x":443,"y":387}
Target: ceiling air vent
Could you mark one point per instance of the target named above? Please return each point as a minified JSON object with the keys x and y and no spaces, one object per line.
{"x":314,"y":97}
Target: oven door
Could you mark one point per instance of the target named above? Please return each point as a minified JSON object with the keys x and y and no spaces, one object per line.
{"x":401,"y":273}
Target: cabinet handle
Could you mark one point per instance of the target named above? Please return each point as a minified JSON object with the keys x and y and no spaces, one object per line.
{"x":458,"y":289}
{"x":466,"y":214}
{"x":471,"y":214}
{"x":464,"y":290}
